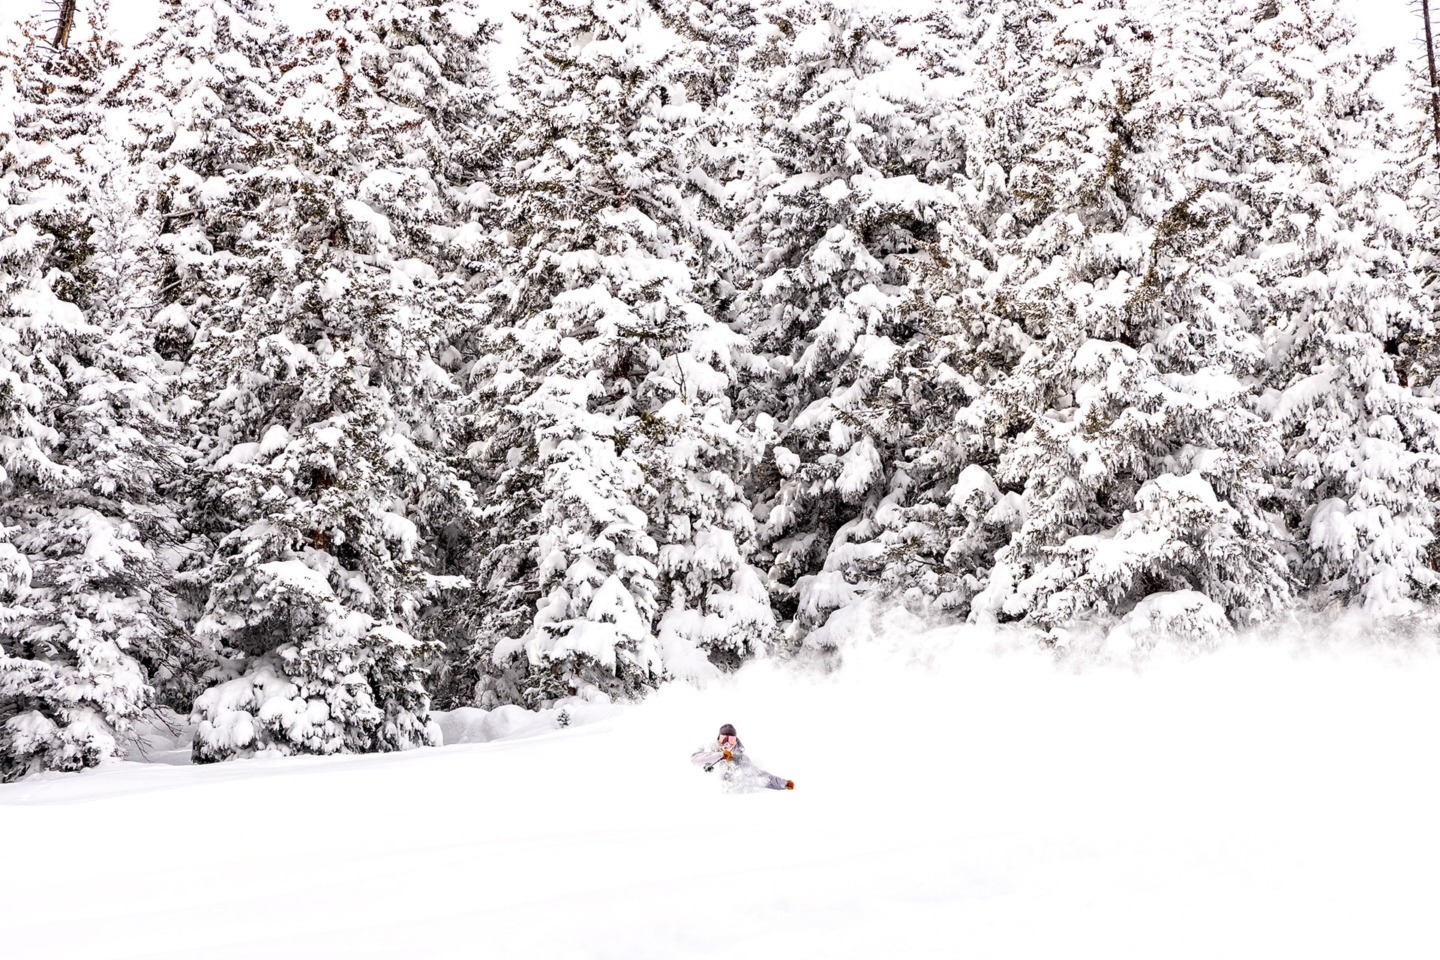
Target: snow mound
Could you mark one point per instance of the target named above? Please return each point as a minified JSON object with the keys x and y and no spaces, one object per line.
{"x":473,"y":725}
{"x":1180,"y":616}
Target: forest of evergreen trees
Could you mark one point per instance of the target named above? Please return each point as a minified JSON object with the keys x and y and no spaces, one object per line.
{"x":343,"y":378}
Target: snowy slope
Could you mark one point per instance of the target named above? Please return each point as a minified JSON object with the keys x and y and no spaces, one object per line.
{"x":1264,"y":801}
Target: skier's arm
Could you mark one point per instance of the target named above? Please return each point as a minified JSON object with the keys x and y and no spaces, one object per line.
{"x":706,"y":758}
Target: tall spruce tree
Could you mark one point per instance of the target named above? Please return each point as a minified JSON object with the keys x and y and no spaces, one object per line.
{"x":1329,"y":242}
{"x":618,"y":535}
{"x":91,"y":626}
{"x":1135,"y":439}
{"x":432,"y":57}
{"x":845,"y":186}
{"x":334,"y":473}
{"x":933,"y":534}
{"x":707,"y":59}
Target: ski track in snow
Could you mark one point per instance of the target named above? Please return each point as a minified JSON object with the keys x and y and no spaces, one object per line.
{"x":1262,"y":801}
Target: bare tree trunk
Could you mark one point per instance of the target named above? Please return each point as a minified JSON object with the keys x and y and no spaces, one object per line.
{"x":66,"y":20}
{"x":1434,"y":79}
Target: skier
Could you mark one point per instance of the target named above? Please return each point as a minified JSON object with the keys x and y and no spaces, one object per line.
{"x":736,"y":770}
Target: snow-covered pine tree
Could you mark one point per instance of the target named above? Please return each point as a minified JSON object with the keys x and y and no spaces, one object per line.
{"x":202,"y":84}
{"x":707,"y":59}
{"x":847,"y":182}
{"x":432,"y":58}
{"x":934,"y":534}
{"x":1329,"y":241}
{"x":720,"y":31}
{"x":714,"y":601}
{"x":1135,"y":439}
{"x":618,"y":535}
{"x":329,"y":466}
{"x":90,"y":625}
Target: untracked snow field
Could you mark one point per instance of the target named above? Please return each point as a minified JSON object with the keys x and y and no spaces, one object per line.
{"x":1268,"y":800}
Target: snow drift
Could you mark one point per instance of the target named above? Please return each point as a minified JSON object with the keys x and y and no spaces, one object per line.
{"x":956,"y":794}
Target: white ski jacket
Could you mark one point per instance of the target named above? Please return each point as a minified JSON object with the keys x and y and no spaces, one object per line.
{"x":737,"y":770}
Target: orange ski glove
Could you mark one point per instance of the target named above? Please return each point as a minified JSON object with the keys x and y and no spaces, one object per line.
{"x":789,"y":784}
{"x":725,"y":754}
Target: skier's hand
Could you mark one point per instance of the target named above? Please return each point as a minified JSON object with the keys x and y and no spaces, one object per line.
{"x":726,"y":754}
{"x":789,"y":784}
